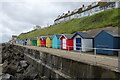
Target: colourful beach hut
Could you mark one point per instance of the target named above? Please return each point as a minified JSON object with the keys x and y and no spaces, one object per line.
{"x":82,"y":41}
{"x":66,"y":41}
{"x":34,"y":42}
{"x":49,"y":42}
{"x":43,"y":41}
{"x":29,"y":42}
{"x":107,"y":40}
{"x":38,"y":41}
{"x":17,"y":41}
{"x":21,"y":42}
{"x":56,"y":41}
{"x":25,"y":42}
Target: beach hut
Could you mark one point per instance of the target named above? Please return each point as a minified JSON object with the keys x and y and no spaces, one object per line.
{"x":38,"y":41}
{"x":43,"y":41}
{"x":17,"y":41}
{"x":107,"y":40}
{"x":34,"y":42}
{"x":20,"y":42}
{"x":66,"y":41}
{"x":49,"y":42}
{"x":24,"y":42}
{"x":82,"y":41}
{"x":28,"y":42}
{"x":31,"y":42}
{"x":56,"y":41}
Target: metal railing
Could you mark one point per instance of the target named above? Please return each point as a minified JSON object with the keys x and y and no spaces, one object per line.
{"x":104,"y":60}
{"x":91,"y":55}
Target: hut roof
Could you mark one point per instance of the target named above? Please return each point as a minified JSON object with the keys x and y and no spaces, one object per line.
{"x":50,"y":37}
{"x":58,"y":35}
{"x":83,"y":35}
{"x":43,"y":37}
{"x":34,"y":39}
{"x":111,"y":33}
{"x":68,"y":36}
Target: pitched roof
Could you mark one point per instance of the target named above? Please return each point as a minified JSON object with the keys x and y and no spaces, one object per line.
{"x":43,"y":37}
{"x":102,"y":4}
{"x":83,"y":35}
{"x":68,"y":36}
{"x":111,"y":33}
{"x":34,"y":39}
{"x":50,"y":38}
{"x":58,"y":35}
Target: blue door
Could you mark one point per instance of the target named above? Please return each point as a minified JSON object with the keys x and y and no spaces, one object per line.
{"x":78,"y":43}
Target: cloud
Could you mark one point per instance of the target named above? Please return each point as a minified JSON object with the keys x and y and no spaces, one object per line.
{"x":21,"y":16}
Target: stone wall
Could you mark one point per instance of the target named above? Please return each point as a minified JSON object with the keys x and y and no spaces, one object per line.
{"x":55,"y":67}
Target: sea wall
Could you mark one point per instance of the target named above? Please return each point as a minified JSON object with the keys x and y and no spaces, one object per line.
{"x":55,"y":67}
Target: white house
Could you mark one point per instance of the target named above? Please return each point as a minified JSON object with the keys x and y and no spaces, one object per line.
{"x":93,"y":8}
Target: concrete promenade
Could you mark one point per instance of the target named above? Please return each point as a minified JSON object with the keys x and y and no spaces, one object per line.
{"x":109,"y":62}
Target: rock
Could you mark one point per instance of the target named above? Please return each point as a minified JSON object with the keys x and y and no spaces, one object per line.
{"x":12,"y":67}
{"x":15,"y":66}
{"x":6,"y":76}
{"x":5,"y":66}
{"x":44,"y":78}
{"x":20,"y":70}
{"x":19,"y":76}
{"x":30,"y":71}
{"x":23,"y":63}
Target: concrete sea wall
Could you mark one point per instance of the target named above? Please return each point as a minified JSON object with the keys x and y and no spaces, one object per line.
{"x":55,"y":67}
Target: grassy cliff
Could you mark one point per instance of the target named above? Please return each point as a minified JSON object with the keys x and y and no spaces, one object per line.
{"x":103,"y":19}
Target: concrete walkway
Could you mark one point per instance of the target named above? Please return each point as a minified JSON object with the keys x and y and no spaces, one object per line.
{"x":109,"y":62}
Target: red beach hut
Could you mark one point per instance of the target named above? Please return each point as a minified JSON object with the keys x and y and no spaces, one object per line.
{"x":43,"y":41}
{"x":66,"y":41}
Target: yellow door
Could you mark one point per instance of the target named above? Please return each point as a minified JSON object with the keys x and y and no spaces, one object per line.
{"x":48,"y":42}
{"x":38,"y":42}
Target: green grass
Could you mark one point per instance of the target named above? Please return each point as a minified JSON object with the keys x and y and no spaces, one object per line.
{"x":99,"y":20}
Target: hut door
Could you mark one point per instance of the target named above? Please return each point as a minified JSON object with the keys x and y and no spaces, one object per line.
{"x":78,"y":43}
{"x":64,"y":43}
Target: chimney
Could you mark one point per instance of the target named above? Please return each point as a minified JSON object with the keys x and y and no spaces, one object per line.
{"x":68,"y":11}
{"x":83,"y":5}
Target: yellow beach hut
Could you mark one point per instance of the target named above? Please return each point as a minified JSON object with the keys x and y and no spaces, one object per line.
{"x":29,"y":42}
{"x":38,"y":41}
{"x":49,"y":42}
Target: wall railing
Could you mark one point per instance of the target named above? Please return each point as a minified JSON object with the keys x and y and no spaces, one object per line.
{"x":113,"y":62}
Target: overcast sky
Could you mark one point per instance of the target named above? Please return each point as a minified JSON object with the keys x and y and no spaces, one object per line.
{"x":19,"y":16}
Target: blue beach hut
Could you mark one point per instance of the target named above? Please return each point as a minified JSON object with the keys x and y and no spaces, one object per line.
{"x":56,"y":41}
{"x":25,"y":42}
{"x":17,"y":41}
{"x":21,"y":42}
{"x":107,"y":40}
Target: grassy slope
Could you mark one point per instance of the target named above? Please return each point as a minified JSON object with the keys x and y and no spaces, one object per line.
{"x":102,"y":19}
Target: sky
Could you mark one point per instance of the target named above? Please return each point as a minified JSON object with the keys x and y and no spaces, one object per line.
{"x":20,"y":16}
